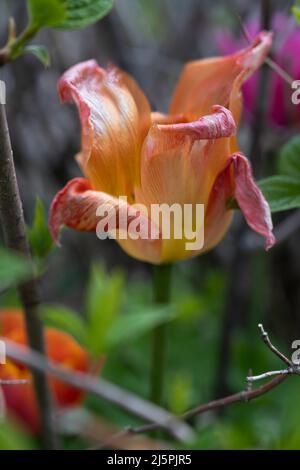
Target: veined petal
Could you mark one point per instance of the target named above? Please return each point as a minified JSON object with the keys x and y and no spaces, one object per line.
{"x":74,"y":206}
{"x":217,"y":215}
{"x":115,"y":118}
{"x":180,"y":161}
{"x":204,"y":83}
{"x":213,"y":126}
{"x":77,"y":206}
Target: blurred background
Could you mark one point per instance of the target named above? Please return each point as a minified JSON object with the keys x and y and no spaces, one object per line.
{"x":222,"y":295}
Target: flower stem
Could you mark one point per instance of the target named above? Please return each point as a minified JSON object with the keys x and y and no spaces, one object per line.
{"x":14,"y":231}
{"x":15,"y":45}
{"x":161,"y":288}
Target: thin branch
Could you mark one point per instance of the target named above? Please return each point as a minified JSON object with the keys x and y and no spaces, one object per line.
{"x":292,"y":368}
{"x":159,"y":418}
{"x":265,"y":375}
{"x":273,"y":65}
{"x":243,"y":396}
{"x":14,"y":231}
{"x":127,"y":401}
{"x":267,"y":341}
{"x":280,"y":71}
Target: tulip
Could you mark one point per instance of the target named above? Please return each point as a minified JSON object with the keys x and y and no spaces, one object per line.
{"x":61,"y":349}
{"x":280,"y":109}
{"x":189,"y":156}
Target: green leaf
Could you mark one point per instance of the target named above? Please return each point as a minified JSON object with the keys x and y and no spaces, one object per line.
{"x":14,"y":268}
{"x":40,"y":52}
{"x":282,"y":192}
{"x":46,"y":12}
{"x":67,"y":14}
{"x":104,"y":300}
{"x":66,"y":320}
{"x":132,"y":325}
{"x":39,"y":236}
{"x":289,"y":158}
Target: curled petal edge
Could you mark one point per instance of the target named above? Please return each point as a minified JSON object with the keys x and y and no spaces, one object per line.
{"x":212,"y":126}
{"x":77,"y":206}
{"x":251,"y":200}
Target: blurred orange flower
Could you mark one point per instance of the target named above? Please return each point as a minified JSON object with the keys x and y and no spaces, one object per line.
{"x":189,"y":156}
{"x":61,"y":348}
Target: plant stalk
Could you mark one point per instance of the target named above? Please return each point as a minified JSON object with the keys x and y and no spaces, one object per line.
{"x":161,"y":288}
{"x":14,"y":232}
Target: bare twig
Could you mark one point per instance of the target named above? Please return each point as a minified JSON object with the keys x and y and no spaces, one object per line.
{"x":273,"y":65}
{"x":280,"y":71}
{"x":265,"y":375}
{"x":266,"y":340}
{"x":14,"y":231}
{"x":243,"y":396}
{"x":159,"y":418}
{"x":292,"y":368}
{"x":101,"y":388}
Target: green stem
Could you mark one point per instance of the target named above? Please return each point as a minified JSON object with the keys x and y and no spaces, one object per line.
{"x":161,"y":288}
{"x":15,"y":46}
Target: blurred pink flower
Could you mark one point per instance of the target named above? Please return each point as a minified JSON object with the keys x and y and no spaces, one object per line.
{"x":281,"y":111}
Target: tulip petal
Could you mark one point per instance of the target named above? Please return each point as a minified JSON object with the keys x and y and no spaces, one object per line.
{"x":161,"y":118}
{"x":236,"y":180}
{"x":251,"y":200}
{"x":76,"y":206}
{"x":115,"y":118}
{"x":61,"y":348}
{"x":204,"y":83}
{"x":213,"y":126}
{"x":217,"y":215}
{"x":181,"y":161}
{"x":20,"y":400}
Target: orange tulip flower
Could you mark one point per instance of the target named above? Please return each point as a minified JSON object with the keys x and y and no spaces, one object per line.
{"x":61,"y":349}
{"x":189,"y":156}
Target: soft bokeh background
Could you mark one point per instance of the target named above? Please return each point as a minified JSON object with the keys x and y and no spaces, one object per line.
{"x":222,"y":295}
